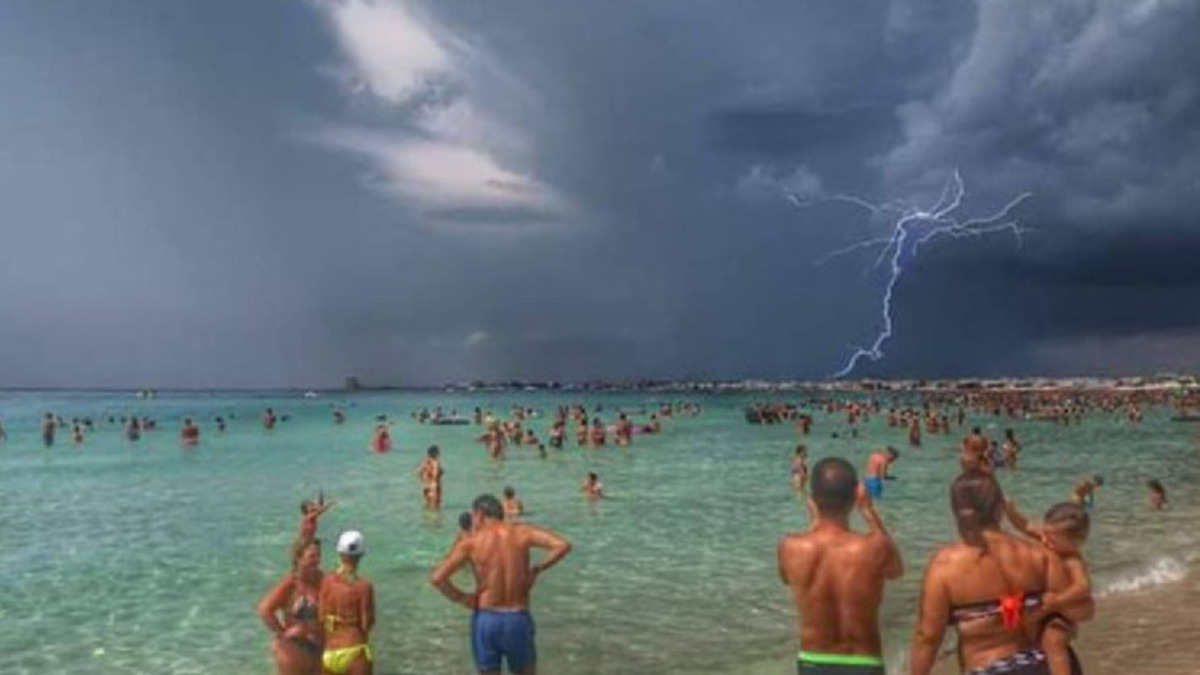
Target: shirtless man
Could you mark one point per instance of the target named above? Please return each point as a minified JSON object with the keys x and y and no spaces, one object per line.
{"x":346,"y":610}
{"x":501,"y":626}
{"x":48,"y":427}
{"x":877,"y":470}
{"x":513,"y":508}
{"x":837,"y":576}
{"x":974,"y":452}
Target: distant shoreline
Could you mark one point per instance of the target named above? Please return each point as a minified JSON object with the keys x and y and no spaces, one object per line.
{"x":964,"y":385}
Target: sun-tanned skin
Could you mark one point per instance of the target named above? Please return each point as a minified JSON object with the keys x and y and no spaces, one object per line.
{"x":351,"y":599}
{"x":498,"y":553}
{"x":985,"y":566}
{"x":837,"y":575}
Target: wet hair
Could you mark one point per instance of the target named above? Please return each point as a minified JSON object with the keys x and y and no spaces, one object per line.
{"x":1071,"y":519}
{"x":489,"y":506}
{"x":801,"y":449}
{"x":893,"y":452}
{"x":976,"y":431}
{"x":592,"y":475}
{"x":509,"y":491}
{"x":1098,"y":480}
{"x":1157,"y":487}
{"x":305,"y":506}
{"x":977,"y":502}
{"x":465,"y":521}
{"x":834,"y":486}
{"x":433,"y":451}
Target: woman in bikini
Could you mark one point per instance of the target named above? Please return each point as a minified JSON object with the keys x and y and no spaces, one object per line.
{"x":298,"y":641}
{"x":990,"y":586}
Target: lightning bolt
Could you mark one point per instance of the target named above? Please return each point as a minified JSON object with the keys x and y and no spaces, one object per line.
{"x":912,"y":228}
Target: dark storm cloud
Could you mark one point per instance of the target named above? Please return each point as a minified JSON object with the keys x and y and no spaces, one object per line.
{"x":416,"y":192}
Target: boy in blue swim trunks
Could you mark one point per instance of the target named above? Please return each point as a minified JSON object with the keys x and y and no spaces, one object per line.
{"x":877,"y":470}
{"x":502,"y":629}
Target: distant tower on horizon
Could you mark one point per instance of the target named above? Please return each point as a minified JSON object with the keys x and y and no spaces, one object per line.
{"x":352,"y":384}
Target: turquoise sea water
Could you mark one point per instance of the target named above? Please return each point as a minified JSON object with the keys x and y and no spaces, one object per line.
{"x":122,"y":557}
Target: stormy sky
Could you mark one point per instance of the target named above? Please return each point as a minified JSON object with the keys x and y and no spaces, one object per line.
{"x":242,"y":194}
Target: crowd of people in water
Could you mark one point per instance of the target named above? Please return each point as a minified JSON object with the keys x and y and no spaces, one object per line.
{"x":1015,"y":597}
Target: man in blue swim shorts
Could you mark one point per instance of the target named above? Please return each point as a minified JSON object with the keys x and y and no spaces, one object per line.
{"x":502,"y":630}
{"x":877,"y":470}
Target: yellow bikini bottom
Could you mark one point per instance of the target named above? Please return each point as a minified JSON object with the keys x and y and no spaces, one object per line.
{"x":338,"y":661}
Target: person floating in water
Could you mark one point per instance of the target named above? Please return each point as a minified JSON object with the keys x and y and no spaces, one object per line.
{"x":513,"y":507}
{"x":1084,"y":493}
{"x":190,"y":433}
{"x":49,"y":425}
{"x":346,"y":610}
{"x":592,"y":486}
{"x":1158,"y":495}
{"x":837,"y":576}
{"x":502,"y":629}
{"x":800,"y":468}
{"x":877,"y":470}
{"x":381,"y":439}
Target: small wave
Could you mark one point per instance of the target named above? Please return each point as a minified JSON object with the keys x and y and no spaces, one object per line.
{"x":1161,"y":571}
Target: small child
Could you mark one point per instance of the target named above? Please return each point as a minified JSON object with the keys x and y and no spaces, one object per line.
{"x":310,"y":511}
{"x":1064,"y":531}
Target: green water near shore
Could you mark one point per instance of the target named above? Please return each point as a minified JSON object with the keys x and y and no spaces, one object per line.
{"x":145,"y":557}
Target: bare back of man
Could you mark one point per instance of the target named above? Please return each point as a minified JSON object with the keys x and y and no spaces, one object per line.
{"x":498,"y":552}
{"x":837,"y":577}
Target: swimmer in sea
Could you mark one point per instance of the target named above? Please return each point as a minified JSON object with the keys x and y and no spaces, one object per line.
{"x":1011,"y":448}
{"x":800,"y":468}
{"x":48,"y":428}
{"x":3,"y":434}
{"x":877,"y":470}
{"x":190,"y":433}
{"x":133,"y":430}
{"x":381,"y":440}
{"x":220,"y":425}
{"x":268,"y":419}
{"x":1084,"y":493}
{"x":513,"y":507}
{"x":1158,"y":495}
{"x":598,"y":434}
{"x":592,"y":486}
{"x":311,"y":511}
{"x":430,"y":474}
{"x":339,"y":416}
{"x":974,"y":452}
{"x":624,"y":432}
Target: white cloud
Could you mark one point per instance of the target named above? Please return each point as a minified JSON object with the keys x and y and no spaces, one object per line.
{"x":475,"y":339}
{"x":801,"y":182}
{"x":452,"y":156}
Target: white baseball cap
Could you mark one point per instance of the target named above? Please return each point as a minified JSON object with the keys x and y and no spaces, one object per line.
{"x":351,"y":542}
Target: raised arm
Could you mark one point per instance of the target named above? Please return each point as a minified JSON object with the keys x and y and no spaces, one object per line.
{"x":1019,"y":521}
{"x":893,"y":565}
{"x":458,"y":556}
{"x":933,"y":615}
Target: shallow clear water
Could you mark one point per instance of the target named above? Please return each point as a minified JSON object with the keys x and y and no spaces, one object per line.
{"x":145,"y":557}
